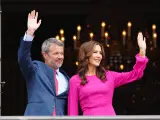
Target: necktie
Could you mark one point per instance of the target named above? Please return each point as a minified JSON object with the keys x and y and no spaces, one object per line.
{"x":56,"y":85}
{"x":56,"y":82}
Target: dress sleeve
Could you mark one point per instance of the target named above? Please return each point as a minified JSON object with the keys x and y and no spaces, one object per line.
{"x":135,"y":74}
{"x":73,"y":97}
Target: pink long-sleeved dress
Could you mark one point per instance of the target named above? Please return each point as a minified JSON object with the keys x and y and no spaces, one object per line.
{"x":95,"y":97}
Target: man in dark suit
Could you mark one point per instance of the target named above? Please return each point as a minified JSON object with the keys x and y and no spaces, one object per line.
{"x":47,"y":83}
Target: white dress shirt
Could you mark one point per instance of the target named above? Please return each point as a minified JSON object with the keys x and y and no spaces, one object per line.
{"x":62,"y":82}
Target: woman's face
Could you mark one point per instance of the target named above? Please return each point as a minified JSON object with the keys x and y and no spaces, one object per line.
{"x":96,"y":56}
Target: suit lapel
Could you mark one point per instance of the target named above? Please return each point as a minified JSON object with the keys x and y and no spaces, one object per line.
{"x":51,"y":76}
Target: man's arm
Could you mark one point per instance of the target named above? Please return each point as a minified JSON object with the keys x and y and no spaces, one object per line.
{"x":24,"y":58}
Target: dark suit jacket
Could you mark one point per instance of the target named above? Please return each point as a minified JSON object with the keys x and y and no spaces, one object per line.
{"x":42,"y":99}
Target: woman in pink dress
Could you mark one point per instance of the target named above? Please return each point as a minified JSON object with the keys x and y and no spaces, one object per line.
{"x":93,"y":86}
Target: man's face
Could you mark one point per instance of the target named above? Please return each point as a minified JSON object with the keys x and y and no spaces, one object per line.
{"x":54,"y":58}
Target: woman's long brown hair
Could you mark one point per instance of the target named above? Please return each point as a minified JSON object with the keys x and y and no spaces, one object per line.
{"x":85,"y":52}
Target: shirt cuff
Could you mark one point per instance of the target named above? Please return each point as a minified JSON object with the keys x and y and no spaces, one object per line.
{"x":28,"y":37}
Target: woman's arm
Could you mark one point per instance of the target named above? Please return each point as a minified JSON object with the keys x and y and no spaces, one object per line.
{"x":73,"y":98}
